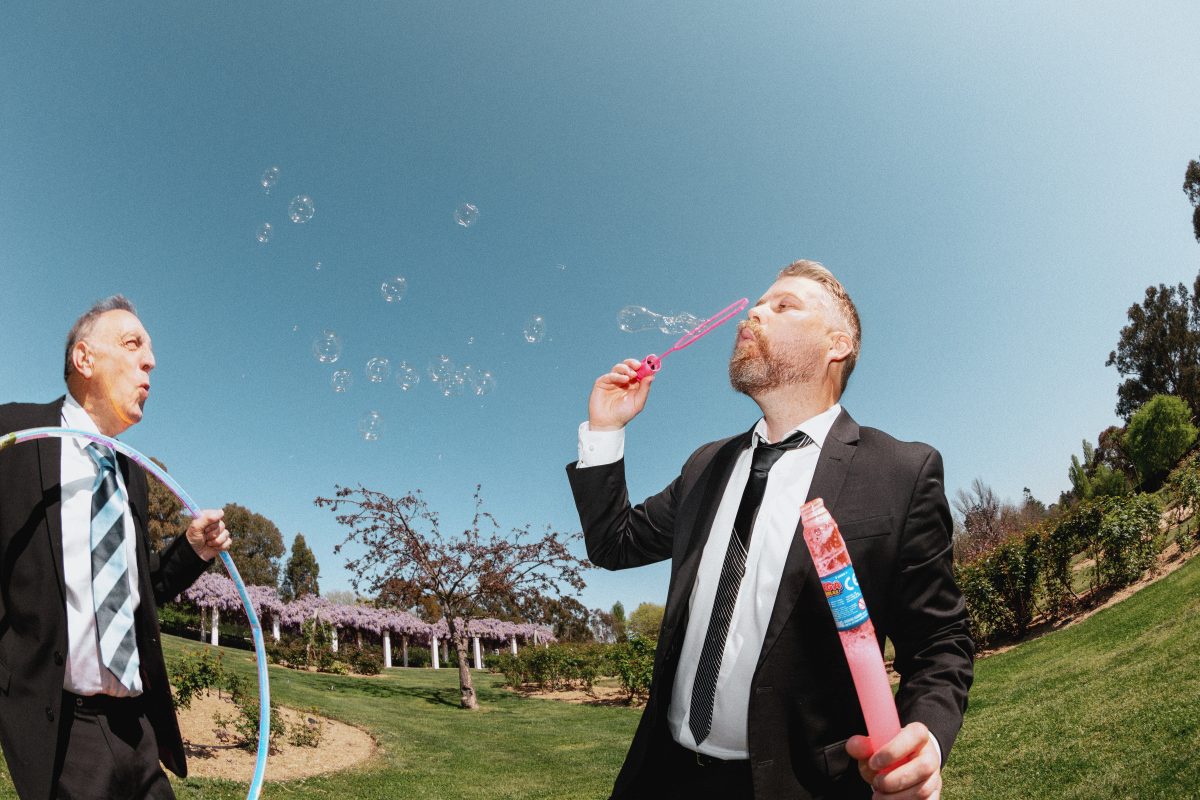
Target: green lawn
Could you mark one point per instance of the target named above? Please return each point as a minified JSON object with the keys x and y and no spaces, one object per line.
{"x":1109,"y":708}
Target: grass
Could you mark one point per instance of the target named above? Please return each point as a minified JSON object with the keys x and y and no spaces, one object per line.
{"x":1108,"y":708}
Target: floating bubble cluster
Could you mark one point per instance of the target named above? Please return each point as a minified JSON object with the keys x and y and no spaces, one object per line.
{"x":378,"y":369}
{"x":406,"y":376}
{"x":301,"y":209}
{"x":327,"y":347}
{"x":393,"y":289}
{"x":341,"y":380}
{"x":535,"y":329}
{"x":370,"y":426}
{"x":634,"y":319}
{"x":444,"y":376}
{"x":264,"y":233}
{"x":466,"y":214}
{"x":269,"y":179}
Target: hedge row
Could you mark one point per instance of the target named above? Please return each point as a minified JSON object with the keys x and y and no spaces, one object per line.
{"x":577,"y":666}
{"x":1037,"y":571}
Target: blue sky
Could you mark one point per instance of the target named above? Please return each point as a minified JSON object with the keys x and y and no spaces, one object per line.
{"x":995,"y":185}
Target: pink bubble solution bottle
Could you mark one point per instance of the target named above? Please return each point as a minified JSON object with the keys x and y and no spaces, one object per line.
{"x":853,"y":622}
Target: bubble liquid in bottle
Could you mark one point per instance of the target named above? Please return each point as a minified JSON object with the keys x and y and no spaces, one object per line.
{"x":853,"y":623}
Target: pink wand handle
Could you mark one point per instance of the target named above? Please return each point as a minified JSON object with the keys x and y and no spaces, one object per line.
{"x":853,"y":623}
{"x":650,"y":363}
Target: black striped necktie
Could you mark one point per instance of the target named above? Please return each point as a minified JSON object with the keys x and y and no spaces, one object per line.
{"x":704,"y":688}
{"x":110,"y":571}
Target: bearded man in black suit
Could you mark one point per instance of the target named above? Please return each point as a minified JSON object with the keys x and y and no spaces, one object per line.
{"x":85,"y":707}
{"x":752,"y":696}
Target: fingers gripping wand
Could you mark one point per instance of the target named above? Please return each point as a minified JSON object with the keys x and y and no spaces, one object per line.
{"x":653,"y":363}
{"x":853,"y":623}
{"x":264,"y":689}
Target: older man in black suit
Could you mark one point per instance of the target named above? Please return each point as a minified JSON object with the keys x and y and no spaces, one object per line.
{"x":752,"y":696}
{"x":85,"y":708}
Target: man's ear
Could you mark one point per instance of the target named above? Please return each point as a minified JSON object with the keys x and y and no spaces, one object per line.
{"x":840,"y":346}
{"x":82,"y":359}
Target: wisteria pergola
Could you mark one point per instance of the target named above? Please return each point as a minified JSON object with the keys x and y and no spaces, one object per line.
{"x":216,"y":593}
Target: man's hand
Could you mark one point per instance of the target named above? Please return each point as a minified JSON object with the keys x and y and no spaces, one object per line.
{"x":617,"y":398}
{"x":919,"y":777}
{"x":207,"y":534}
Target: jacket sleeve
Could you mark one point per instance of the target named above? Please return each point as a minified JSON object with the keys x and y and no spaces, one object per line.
{"x":618,"y":535}
{"x":934,"y":650}
{"x":175,"y":568}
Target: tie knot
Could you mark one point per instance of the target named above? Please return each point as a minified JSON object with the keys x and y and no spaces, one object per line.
{"x":765,"y":455}
{"x":102,"y":457}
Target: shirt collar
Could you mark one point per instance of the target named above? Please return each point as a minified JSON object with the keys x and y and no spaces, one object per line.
{"x":74,"y":416}
{"x":816,"y":427}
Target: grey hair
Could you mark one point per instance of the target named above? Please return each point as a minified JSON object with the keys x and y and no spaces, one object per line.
{"x":83,"y":326}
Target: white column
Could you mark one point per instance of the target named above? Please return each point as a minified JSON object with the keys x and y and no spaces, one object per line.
{"x":535,"y":641}
{"x":478,"y":655}
{"x":216,"y":624}
{"x":333,"y":642}
{"x":513,"y":641}
{"x":387,"y":649}
{"x":404,"y":646}
{"x":358,"y":633}
{"x":275,"y":628}
{"x":433,"y":651}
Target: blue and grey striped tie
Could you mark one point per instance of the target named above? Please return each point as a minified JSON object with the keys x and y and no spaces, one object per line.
{"x":110,"y":571}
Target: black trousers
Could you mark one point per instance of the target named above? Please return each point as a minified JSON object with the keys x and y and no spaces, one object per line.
{"x":110,"y":752}
{"x":687,"y":775}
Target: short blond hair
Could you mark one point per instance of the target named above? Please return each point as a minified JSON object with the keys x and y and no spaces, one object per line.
{"x":840,"y":304}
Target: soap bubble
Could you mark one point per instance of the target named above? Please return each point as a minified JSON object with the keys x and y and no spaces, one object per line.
{"x":441,"y":369}
{"x":327,"y":347}
{"x":370,"y":425}
{"x":481,"y":381}
{"x":406,"y":376}
{"x":264,"y":233}
{"x":466,"y":214}
{"x":678,"y":324}
{"x":317,"y":266}
{"x":393,"y":289}
{"x":269,"y":179}
{"x":535,"y":329}
{"x":301,"y":209}
{"x":378,"y":369}
{"x":341,"y":380}
{"x":634,"y":319}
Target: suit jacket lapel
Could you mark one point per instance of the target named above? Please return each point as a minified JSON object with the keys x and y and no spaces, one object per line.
{"x":705,"y":498}
{"x":50,"y":465}
{"x":832,"y":466}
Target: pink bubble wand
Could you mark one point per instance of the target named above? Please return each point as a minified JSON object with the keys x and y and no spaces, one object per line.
{"x":653,"y":363}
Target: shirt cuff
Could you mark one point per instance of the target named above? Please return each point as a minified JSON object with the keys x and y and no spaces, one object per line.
{"x":936,"y":746}
{"x":597,"y":448}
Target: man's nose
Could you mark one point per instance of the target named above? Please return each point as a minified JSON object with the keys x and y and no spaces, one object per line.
{"x":148,"y":361}
{"x":756,"y":313}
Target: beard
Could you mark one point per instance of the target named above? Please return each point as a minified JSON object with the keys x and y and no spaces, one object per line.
{"x":756,"y":367}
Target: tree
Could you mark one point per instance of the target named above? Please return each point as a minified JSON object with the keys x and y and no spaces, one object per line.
{"x":1159,"y":350}
{"x":1159,"y":433}
{"x":618,"y":622}
{"x":1191,"y":187}
{"x":977,"y":528}
{"x":646,"y":620}
{"x":165,"y":519}
{"x":256,"y":545}
{"x":301,"y":573}
{"x":402,"y":539}
{"x":602,"y":626}
{"x":1093,"y":477}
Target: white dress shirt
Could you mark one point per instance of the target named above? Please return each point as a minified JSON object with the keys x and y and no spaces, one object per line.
{"x":85,"y":673}
{"x":779,"y":515}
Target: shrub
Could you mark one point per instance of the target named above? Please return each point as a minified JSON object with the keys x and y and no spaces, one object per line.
{"x":365,"y":662}
{"x":634,"y":665}
{"x":1127,"y":539}
{"x":307,"y":732}
{"x":999,"y":587}
{"x":1073,"y":533}
{"x":194,"y":674}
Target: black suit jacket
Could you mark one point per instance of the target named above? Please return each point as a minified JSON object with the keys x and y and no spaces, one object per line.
{"x":888,"y":500}
{"x":33,"y":606}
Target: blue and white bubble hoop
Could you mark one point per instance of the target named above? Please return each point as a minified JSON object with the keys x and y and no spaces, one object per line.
{"x":260,"y":650}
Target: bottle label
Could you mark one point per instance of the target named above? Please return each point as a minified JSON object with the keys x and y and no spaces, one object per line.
{"x":845,"y":599}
